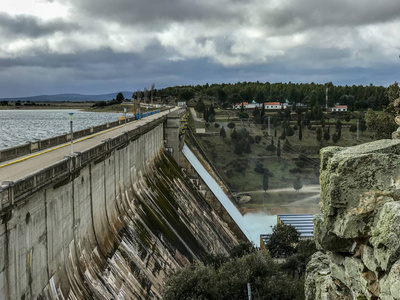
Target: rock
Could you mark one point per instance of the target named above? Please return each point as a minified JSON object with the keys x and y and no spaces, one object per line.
{"x":327,"y":240}
{"x":317,"y":275}
{"x":354,"y":269}
{"x":242,"y":199}
{"x":368,"y":258}
{"x":386,"y":235}
{"x":390,"y":284}
{"x":358,"y":232}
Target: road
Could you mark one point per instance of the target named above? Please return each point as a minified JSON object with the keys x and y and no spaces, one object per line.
{"x":312,"y":188}
{"x":25,"y":165}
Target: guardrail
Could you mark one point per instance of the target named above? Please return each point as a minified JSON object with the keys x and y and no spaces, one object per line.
{"x":31,"y":147}
{"x":12,"y":191}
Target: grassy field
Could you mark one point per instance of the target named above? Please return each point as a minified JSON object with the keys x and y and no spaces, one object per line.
{"x":238,"y":170}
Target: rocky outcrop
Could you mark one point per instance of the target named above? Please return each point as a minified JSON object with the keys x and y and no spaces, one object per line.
{"x":358,"y":230}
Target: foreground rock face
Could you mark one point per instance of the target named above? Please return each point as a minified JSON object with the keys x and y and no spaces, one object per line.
{"x":358,"y":231}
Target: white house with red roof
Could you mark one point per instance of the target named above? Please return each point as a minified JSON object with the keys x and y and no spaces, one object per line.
{"x":339,"y":108}
{"x":272,"y":105}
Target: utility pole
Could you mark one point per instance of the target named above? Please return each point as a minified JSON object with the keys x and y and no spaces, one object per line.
{"x":125,"y":117}
{"x":71,"y":116}
{"x":269,"y":125}
{"x":249,"y":290}
{"x":327,"y":90}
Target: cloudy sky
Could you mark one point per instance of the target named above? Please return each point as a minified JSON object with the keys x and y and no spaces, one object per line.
{"x":101,"y":46}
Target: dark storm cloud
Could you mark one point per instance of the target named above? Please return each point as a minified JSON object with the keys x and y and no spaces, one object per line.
{"x":297,"y":16}
{"x":155,"y":13}
{"x":32,"y":27}
{"x":98,"y":46}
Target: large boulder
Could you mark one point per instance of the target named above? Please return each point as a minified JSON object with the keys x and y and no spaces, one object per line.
{"x":358,"y":230}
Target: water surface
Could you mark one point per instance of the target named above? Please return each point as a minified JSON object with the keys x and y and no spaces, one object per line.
{"x":20,"y":126}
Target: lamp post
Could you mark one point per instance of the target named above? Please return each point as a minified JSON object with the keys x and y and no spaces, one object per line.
{"x":72,"y":132}
{"x":125,"y":117}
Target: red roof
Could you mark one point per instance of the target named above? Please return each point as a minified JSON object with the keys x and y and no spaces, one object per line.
{"x":340,"y":106}
{"x":271,"y":103}
{"x":244,"y":103}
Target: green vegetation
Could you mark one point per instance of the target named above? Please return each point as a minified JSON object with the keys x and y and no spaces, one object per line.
{"x":291,"y":152}
{"x":227,"y":277}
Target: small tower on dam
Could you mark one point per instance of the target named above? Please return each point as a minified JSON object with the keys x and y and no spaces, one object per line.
{"x":175,"y":127}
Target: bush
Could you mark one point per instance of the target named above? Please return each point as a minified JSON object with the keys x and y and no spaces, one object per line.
{"x":259,"y":167}
{"x":216,"y":125}
{"x":271,"y":148}
{"x":257,"y":139}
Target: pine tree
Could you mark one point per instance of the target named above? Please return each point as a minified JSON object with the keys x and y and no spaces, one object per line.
{"x":297,"y":184}
{"x":319,"y":134}
{"x":327,"y":136}
{"x":200,"y":107}
{"x":262,"y":114}
{"x":222,"y":132}
{"x":278,"y":150}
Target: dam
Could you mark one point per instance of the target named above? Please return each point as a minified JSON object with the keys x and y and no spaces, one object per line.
{"x":109,"y":221}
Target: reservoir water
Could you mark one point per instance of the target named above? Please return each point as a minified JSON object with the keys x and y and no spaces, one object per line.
{"x":252,"y":224}
{"x":20,"y":126}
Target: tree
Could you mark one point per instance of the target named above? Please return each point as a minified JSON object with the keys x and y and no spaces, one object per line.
{"x":120,"y":97}
{"x":383,"y":124}
{"x":186,"y":94}
{"x":262,"y":113}
{"x":231,"y":125}
{"x":282,"y":240}
{"x":335,"y":138}
{"x":200,"y":106}
{"x":353,"y":128}
{"x":338,"y":125}
{"x":327,"y":136}
{"x":297,"y":184}
{"x":319,"y":134}
{"x":239,"y":147}
{"x":228,"y":279}
{"x":211,"y":118}
{"x":222,"y":132}
{"x":290,"y":131}
{"x":234,"y":134}
{"x":257,"y":139}
{"x":256,"y":111}
{"x":278,"y":150}
{"x":317,"y":112}
{"x":362,"y":126}
{"x":265,"y":181}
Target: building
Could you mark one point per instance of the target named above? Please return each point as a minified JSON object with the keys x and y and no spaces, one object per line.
{"x":272,"y":105}
{"x":239,"y":105}
{"x":302,"y":222}
{"x":339,"y":108}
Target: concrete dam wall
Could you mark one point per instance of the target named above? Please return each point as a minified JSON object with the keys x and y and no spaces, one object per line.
{"x":109,"y":227}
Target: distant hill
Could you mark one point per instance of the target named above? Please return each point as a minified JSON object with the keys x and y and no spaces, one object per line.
{"x":70,"y":97}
